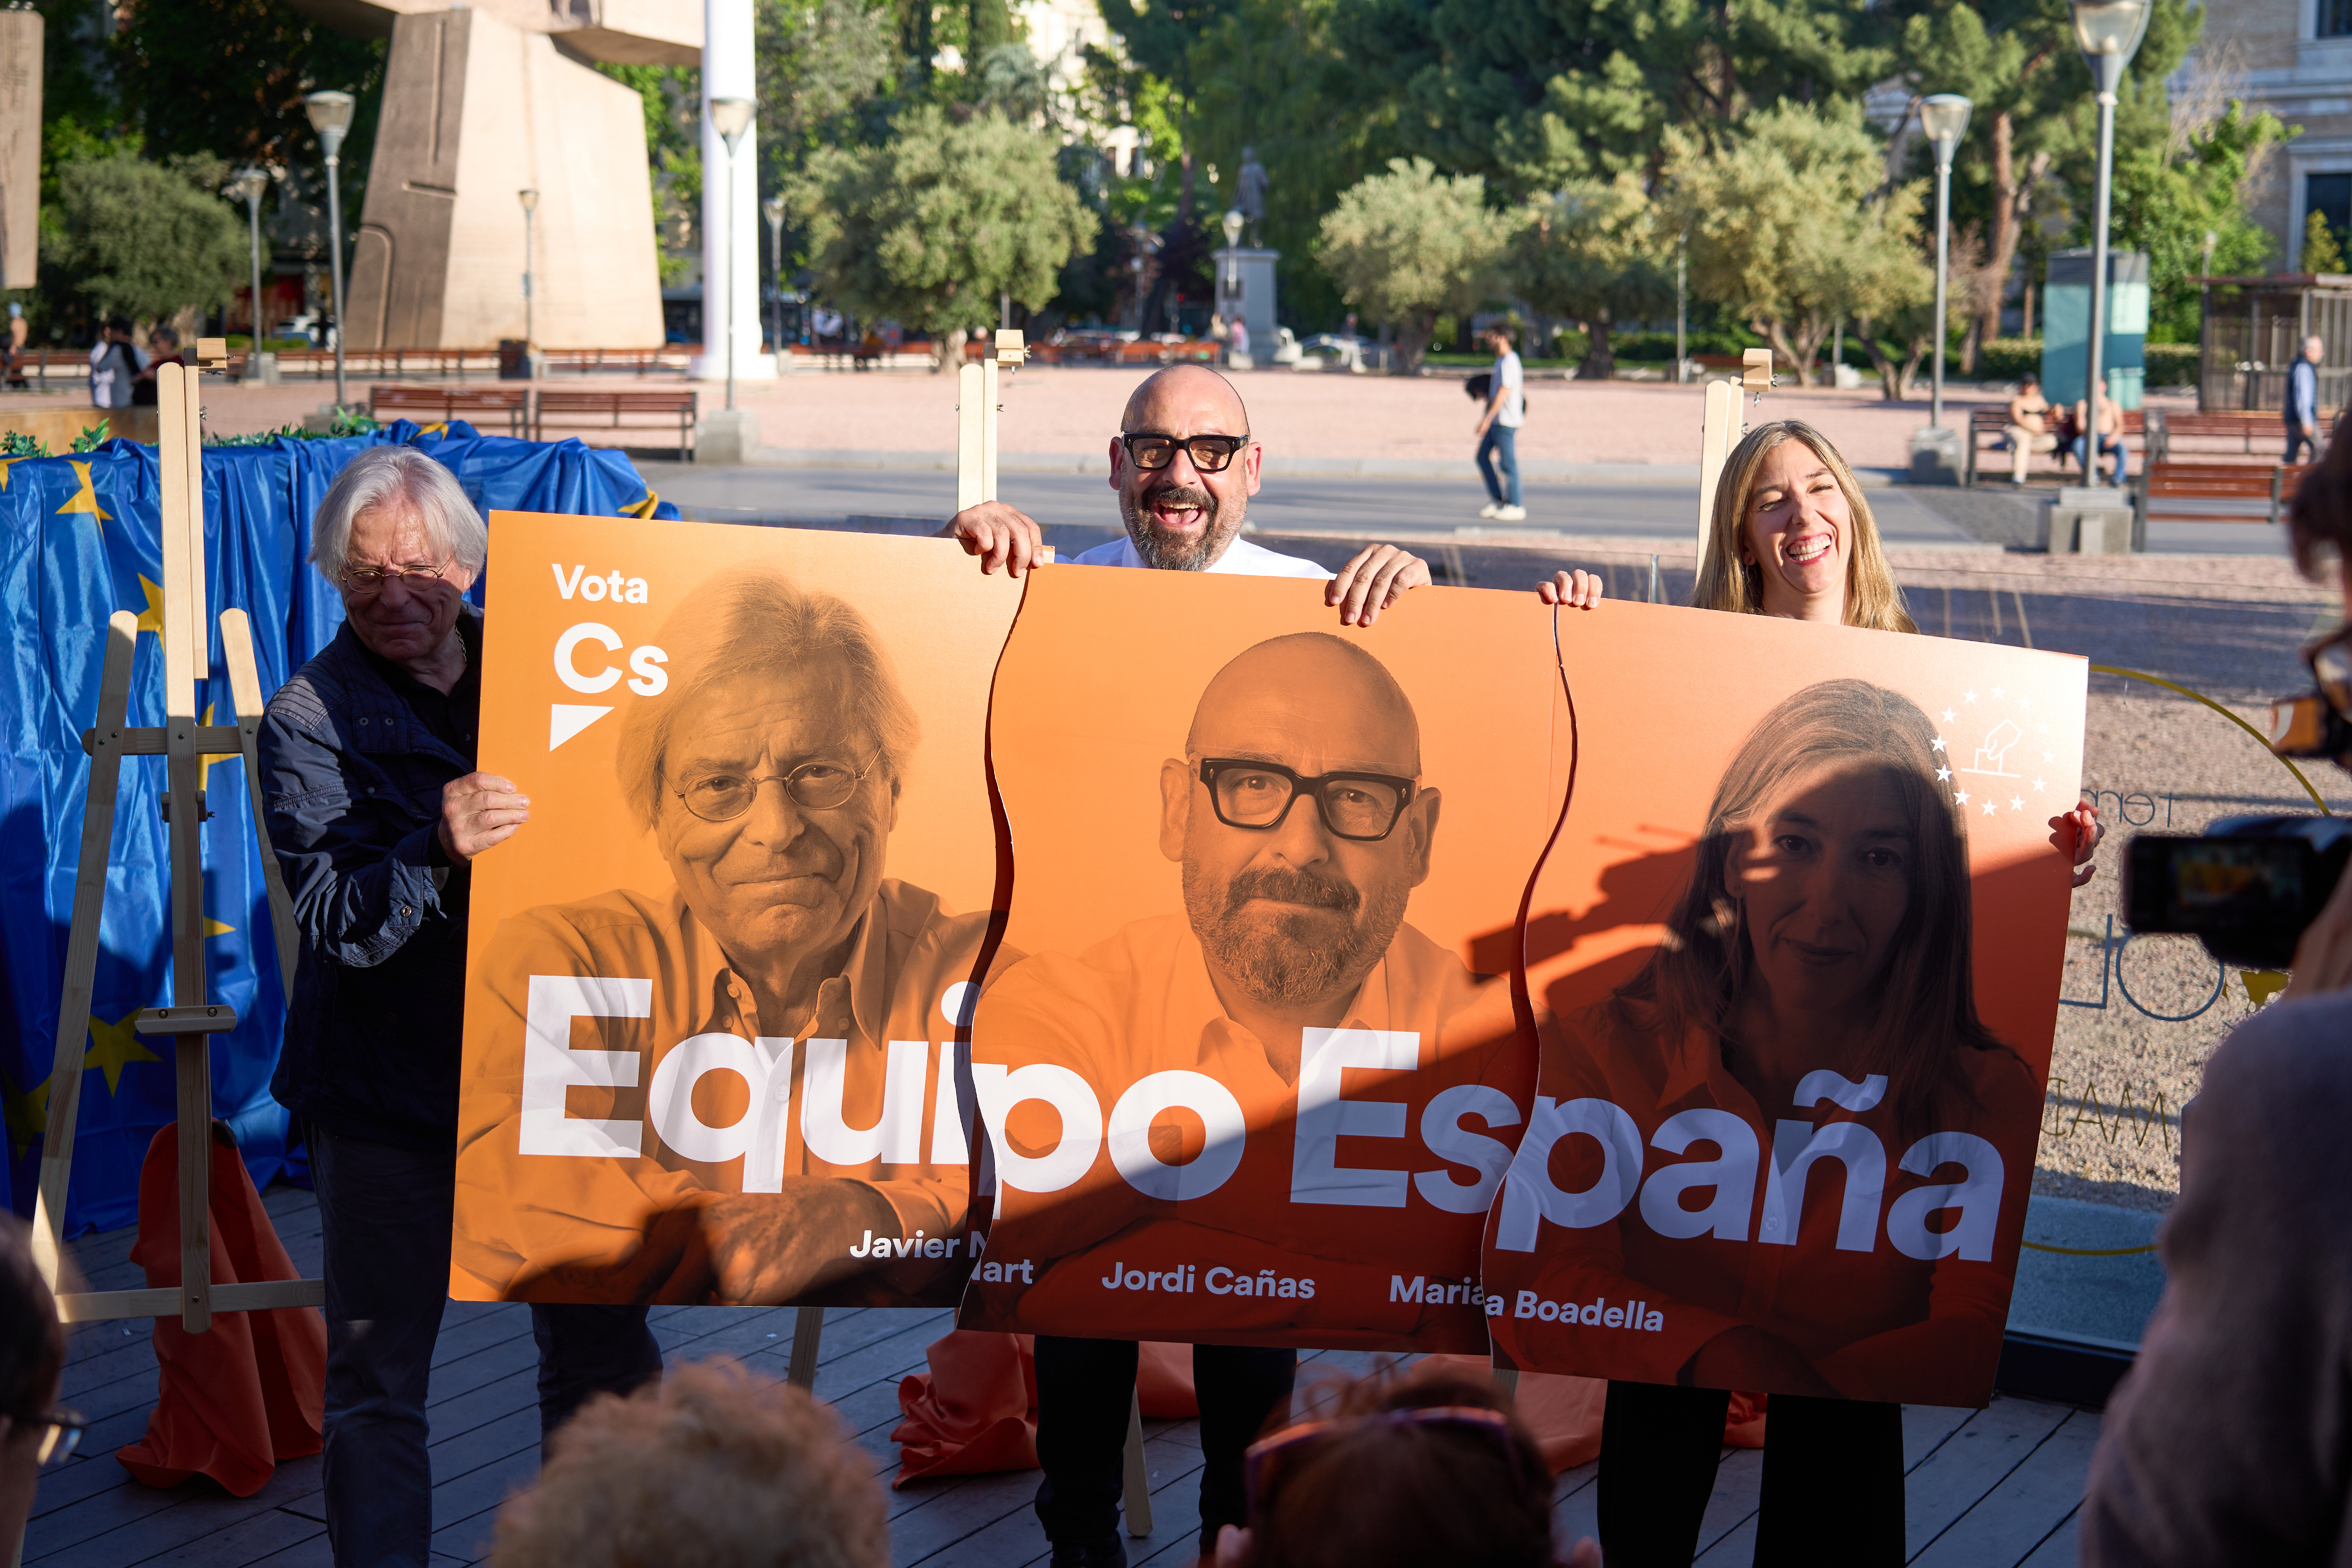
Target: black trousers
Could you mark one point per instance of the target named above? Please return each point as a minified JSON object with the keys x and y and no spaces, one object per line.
{"x":384,"y":1215}
{"x":1832,"y":1478}
{"x":2298,"y":443}
{"x":1084,"y":1390}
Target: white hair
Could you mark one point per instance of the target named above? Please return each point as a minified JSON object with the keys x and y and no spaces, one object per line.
{"x":399,"y":475}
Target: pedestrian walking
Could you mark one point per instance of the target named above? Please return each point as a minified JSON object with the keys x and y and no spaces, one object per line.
{"x":12,"y":353}
{"x":2303,"y":403}
{"x":1498,"y":427}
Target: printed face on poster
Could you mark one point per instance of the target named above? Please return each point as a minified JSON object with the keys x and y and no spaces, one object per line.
{"x":1795,"y":956}
{"x":718,"y":984}
{"x":1251,"y":1074}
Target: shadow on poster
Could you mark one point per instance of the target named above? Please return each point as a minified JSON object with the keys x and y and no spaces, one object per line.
{"x":720,"y":983}
{"x":1257,"y":1072}
{"x":1794,"y":958}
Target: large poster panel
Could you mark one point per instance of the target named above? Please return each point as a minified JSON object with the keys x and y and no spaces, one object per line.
{"x":1255,"y":1073}
{"x":718,"y":984}
{"x":1795,"y":959}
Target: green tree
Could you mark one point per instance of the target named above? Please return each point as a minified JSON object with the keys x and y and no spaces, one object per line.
{"x":1273,"y":77}
{"x":990,"y":28}
{"x":1591,"y":252}
{"x":2165,"y":206}
{"x":1890,"y":290}
{"x":932,"y":226}
{"x":1412,"y":244}
{"x":2034,"y":128}
{"x":1788,"y":225}
{"x":145,"y":238}
{"x":2320,"y":251}
{"x":1533,"y":92}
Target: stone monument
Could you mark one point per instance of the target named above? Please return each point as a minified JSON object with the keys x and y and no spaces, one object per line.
{"x":481,"y":102}
{"x":20,"y":145}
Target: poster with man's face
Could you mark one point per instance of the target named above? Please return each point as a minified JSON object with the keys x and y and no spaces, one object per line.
{"x":1251,"y":1072}
{"x":1795,"y":959}
{"x":718,"y":984}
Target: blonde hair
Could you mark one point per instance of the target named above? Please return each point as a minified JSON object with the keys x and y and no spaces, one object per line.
{"x":1872,"y":600}
{"x":713,"y":1465}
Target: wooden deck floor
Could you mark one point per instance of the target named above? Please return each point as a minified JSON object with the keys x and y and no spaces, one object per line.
{"x":1986,"y":1489}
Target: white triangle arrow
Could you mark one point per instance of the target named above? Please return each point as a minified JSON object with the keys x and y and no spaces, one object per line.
{"x":565,"y":719}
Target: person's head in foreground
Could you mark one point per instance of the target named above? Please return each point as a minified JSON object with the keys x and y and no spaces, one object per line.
{"x":1831,"y":901}
{"x":768,"y":767}
{"x":1185,"y":467}
{"x":397,"y":536}
{"x":1299,"y":818}
{"x":713,"y":1467}
{"x":1407,"y":1472}
{"x":33,"y":1431}
{"x":1792,"y":536}
{"x":2319,"y":519}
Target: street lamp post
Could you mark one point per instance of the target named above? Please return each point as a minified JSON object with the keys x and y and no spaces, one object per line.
{"x":331,"y":117}
{"x":2108,"y":33}
{"x":247,"y":185}
{"x":530,"y":200}
{"x":731,"y":117}
{"x":774,"y":209}
{"x":1945,"y":119}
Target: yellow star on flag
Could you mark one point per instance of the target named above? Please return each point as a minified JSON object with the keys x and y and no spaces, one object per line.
{"x":215,"y":928}
{"x":5,"y":463}
{"x":86,"y":497}
{"x":27,"y":1114}
{"x":116,"y":1047}
{"x":151,"y":619}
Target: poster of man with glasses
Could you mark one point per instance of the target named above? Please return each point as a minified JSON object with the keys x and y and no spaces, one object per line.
{"x":718,"y":993}
{"x":1256,"y":1079}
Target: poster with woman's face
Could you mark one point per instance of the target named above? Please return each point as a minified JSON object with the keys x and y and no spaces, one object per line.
{"x":1794,"y":958}
{"x":719,"y":984}
{"x":1254,"y":1072}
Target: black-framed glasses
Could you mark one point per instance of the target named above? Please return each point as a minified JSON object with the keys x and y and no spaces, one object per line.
{"x":1252,"y":793}
{"x":822,"y":784}
{"x":365,"y":582}
{"x":1151,"y":451}
{"x":1263,"y":1460}
{"x":60,"y":1434}
{"x":2319,"y":724}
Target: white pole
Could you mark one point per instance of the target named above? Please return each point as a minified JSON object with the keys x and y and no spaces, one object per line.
{"x":731,"y":204}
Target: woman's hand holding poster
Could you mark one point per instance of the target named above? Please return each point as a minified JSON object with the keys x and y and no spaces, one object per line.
{"x":1311,"y":1018}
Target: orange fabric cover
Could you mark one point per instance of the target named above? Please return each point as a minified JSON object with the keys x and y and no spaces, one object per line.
{"x":976,"y":1410}
{"x":250,"y":1391}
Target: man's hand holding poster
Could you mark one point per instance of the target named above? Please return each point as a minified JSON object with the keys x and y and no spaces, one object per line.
{"x":1795,"y":959}
{"x":1258,"y":1073}
{"x":717,"y":989}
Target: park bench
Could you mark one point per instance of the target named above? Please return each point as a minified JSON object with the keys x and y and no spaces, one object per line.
{"x":635,"y":408}
{"x":587,"y":362}
{"x":2217,"y":492}
{"x":427,"y":404}
{"x":1994,"y":422}
{"x":2255,"y":433}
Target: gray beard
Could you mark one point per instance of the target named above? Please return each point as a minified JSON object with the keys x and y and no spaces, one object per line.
{"x":1289,"y":960}
{"x":1169,"y":555}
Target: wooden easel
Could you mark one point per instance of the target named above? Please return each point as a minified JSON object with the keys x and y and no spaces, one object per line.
{"x":977,"y":389}
{"x":191,"y":1019}
{"x":1722,"y":429}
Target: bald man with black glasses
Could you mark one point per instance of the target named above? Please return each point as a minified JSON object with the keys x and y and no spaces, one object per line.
{"x":1184,"y":465}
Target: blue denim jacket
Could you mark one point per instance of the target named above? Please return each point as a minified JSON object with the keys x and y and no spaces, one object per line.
{"x":352,"y":781}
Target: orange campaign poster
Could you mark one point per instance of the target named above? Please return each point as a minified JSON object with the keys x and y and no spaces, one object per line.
{"x":719,"y":984}
{"x":1249,"y":1063}
{"x":1795,"y":961}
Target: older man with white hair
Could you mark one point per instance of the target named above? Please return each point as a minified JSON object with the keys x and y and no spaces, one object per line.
{"x":376,"y":812}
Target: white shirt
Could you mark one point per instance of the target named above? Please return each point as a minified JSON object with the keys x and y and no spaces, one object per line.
{"x":1512,"y":381}
{"x":1241,"y":558}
